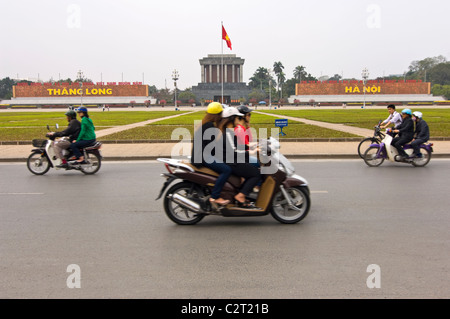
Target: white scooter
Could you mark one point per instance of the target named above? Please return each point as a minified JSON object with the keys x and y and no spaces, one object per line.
{"x":377,"y":153}
{"x":43,"y":157}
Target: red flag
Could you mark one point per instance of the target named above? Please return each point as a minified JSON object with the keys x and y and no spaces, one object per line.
{"x":226,"y":37}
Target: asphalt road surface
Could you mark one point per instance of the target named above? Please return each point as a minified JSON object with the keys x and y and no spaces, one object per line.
{"x":371,"y":233}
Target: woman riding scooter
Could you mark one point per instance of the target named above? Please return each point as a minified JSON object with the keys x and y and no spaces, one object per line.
{"x":85,"y":138}
{"x":201,"y":158}
{"x":237,"y":157}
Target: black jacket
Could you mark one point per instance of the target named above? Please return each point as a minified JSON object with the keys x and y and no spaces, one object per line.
{"x":422,"y":131}
{"x":200,"y":143}
{"x":406,"y":129}
{"x":72,"y":130}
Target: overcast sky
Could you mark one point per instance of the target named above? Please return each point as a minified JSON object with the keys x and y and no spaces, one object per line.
{"x":147,"y":40}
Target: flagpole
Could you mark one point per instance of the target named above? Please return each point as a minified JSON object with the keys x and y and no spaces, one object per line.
{"x":222,"y":61}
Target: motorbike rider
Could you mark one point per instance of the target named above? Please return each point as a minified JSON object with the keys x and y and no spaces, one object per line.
{"x":406,"y":133}
{"x":421,"y":134}
{"x":244,"y":133}
{"x":85,"y":138}
{"x":393,"y":118}
{"x":208,"y":159}
{"x":72,"y":131}
{"x":237,"y":156}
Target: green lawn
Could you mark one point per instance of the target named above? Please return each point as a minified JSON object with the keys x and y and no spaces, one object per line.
{"x":164,"y":129}
{"x":111,"y":118}
{"x":20,"y":126}
{"x":438,"y":119}
{"x":23,"y":126}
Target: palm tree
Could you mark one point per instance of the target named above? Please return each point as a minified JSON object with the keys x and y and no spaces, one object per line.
{"x":278,"y":70}
{"x":259,"y":78}
{"x":299,"y":71}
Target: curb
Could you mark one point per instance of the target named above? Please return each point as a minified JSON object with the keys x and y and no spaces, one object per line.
{"x":153,"y":158}
{"x":306,"y":140}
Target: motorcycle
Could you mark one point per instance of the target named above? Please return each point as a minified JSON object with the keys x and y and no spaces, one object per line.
{"x":377,"y":153}
{"x":43,"y":157}
{"x":283,"y":194}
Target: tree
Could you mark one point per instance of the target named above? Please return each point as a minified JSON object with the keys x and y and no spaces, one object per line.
{"x":278,"y":70}
{"x":418,"y":69}
{"x":256,"y":95}
{"x":335,"y":77}
{"x":152,"y":89}
{"x":443,"y":90}
{"x":6,"y":85}
{"x":299,"y":73}
{"x":186,"y":95}
{"x":260,"y":79}
{"x":163,"y":94}
{"x":439,"y":74}
{"x":289,"y":87}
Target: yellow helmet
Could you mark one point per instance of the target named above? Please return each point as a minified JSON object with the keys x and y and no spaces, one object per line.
{"x":214,"y":108}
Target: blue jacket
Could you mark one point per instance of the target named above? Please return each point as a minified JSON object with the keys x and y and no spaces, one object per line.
{"x":422,"y":131}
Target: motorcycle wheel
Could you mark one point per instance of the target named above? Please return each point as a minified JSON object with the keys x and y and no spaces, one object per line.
{"x":177,"y":213}
{"x":94,"y":163}
{"x":426,"y":157}
{"x":38,"y":164}
{"x":370,"y":157}
{"x":280,"y":209}
{"x":365,"y":143}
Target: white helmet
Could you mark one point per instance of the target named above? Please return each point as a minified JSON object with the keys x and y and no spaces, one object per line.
{"x":418,"y":114}
{"x":230,"y":111}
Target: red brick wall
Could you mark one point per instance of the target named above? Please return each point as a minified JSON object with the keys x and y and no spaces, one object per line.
{"x":57,"y":90}
{"x":356,"y":87}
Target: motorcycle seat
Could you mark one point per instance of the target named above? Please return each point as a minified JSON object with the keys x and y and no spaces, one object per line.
{"x":95,"y":146}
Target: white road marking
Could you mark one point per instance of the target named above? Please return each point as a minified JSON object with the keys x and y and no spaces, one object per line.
{"x":21,"y":193}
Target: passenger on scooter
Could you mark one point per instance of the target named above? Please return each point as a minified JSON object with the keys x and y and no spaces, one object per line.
{"x":406,"y":133}
{"x":201,"y":158}
{"x":237,"y":157}
{"x":421,"y":134}
{"x":86,"y":137}
{"x":72,"y":131}
{"x":244,"y":133}
{"x":394,"y":118}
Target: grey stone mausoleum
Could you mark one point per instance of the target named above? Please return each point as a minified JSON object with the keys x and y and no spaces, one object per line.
{"x":210,"y":88}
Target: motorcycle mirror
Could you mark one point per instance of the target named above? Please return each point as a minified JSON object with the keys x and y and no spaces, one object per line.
{"x":57,"y":126}
{"x":48,"y":127}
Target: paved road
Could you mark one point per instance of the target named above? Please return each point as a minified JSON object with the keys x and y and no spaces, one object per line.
{"x":394,"y":216}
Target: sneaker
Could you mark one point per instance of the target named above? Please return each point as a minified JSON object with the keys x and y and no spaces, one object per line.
{"x":63,"y":165}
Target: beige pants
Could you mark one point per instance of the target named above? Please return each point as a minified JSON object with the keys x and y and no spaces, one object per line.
{"x":60,"y":146}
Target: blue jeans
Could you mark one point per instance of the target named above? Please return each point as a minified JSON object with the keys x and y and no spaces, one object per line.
{"x":75,"y":147}
{"x":224,"y":172}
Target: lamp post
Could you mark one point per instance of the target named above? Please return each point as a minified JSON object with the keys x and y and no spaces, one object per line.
{"x":80,"y":78}
{"x":365,"y":76}
{"x":270,"y":89}
{"x":175,"y":77}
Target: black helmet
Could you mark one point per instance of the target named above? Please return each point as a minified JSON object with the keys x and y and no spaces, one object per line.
{"x":71,"y":114}
{"x":244,"y":109}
